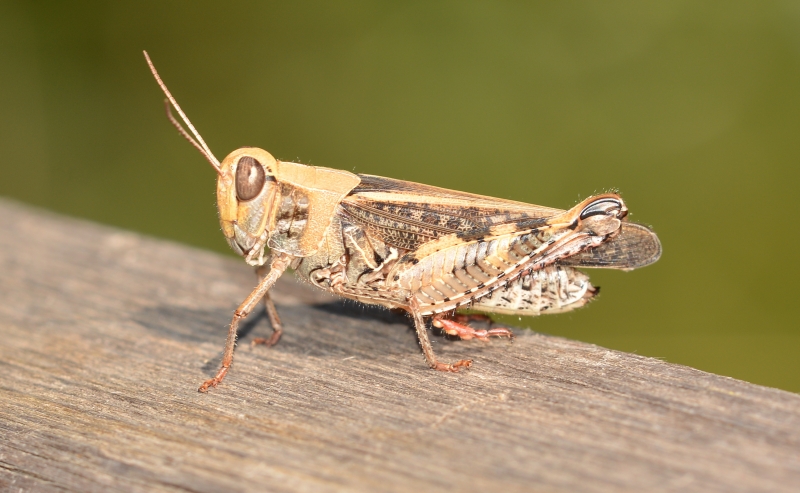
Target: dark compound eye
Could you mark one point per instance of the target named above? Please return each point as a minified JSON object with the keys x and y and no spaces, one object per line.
{"x":250,"y":178}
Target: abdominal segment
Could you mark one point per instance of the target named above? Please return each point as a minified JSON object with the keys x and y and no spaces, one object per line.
{"x":552,"y":289}
{"x":509,"y":274}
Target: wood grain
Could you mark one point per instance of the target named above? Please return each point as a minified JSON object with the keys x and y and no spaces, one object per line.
{"x":106,"y":335}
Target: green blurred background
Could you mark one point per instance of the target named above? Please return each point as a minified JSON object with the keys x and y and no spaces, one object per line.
{"x":691,"y":109}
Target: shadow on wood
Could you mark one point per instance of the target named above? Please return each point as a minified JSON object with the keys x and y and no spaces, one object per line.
{"x":106,"y":336}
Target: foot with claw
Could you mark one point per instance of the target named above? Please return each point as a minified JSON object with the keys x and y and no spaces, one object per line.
{"x":267,"y":341}
{"x":453,"y":367}
{"x":214,"y":381}
{"x":208,"y":383}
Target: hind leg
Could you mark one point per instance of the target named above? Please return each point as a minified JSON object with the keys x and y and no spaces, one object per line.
{"x":455,"y":327}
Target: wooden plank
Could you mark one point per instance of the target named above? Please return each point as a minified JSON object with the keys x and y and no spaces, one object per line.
{"x":106,"y":335}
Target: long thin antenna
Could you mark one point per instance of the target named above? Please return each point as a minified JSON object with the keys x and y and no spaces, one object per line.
{"x":199,"y":144}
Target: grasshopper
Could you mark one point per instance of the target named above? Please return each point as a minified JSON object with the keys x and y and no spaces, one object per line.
{"x":426,"y":250}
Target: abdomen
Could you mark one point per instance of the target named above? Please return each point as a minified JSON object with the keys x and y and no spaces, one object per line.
{"x":552,"y":289}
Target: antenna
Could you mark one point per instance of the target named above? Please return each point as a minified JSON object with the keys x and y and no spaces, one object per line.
{"x":199,"y":144}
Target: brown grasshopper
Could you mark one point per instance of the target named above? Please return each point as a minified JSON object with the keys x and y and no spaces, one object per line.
{"x":403,"y":245}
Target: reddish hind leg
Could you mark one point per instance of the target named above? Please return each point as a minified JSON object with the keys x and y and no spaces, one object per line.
{"x":465,"y":332}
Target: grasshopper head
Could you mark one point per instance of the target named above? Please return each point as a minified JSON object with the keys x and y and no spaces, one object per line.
{"x":245,"y":188}
{"x":246,"y":192}
{"x":251,"y":186}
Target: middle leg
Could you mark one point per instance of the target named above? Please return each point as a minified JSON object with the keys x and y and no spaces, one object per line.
{"x":427,"y":348}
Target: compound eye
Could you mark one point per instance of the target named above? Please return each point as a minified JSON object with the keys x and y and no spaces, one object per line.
{"x":605,"y":207}
{"x":250,"y":178}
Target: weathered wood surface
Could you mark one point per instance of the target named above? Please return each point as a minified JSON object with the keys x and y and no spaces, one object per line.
{"x":106,"y":336}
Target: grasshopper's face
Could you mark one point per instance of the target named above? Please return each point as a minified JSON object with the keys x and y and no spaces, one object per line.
{"x":246,"y":192}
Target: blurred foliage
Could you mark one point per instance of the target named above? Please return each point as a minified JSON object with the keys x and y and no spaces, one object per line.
{"x":690,"y":108}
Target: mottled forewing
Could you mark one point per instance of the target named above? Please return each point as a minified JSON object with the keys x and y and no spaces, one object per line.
{"x":406,"y":214}
{"x":635,"y":246}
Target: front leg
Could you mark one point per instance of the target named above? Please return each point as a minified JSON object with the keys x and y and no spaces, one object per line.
{"x":274,"y":320}
{"x":427,"y":349}
{"x":272,"y":314}
{"x":278,"y":263}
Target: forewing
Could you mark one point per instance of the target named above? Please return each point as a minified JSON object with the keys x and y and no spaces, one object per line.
{"x":406,"y":214}
{"x":635,"y":246}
